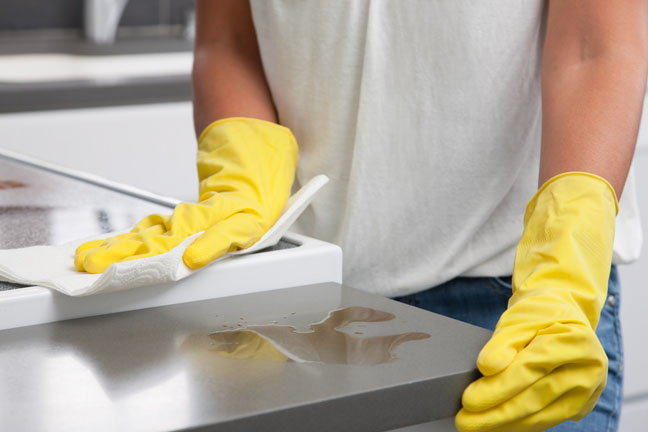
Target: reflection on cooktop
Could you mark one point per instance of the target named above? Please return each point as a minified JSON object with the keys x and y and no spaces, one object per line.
{"x":40,"y":207}
{"x":24,"y":226}
{"x":11,"y":184}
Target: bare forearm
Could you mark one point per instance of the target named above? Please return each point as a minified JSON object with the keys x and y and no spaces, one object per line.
{"x":226,"y":85}
{"x":591,"y":118}
{"x":592,"y":94}
{"x":228,"y":78}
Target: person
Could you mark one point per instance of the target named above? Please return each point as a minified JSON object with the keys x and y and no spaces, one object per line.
{"x":436,"y":121}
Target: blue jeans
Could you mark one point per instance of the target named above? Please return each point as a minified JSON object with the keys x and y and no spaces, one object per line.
{"x":481,"y":301}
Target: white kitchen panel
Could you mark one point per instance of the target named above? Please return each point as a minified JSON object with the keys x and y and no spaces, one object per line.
{"x":634,"y":417}
{"x":634,"y":296}
{"x":151,"y":147}
{"x":634,"y":304}
{"x":48,"y":67}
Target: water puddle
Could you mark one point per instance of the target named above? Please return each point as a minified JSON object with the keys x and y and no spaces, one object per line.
{"x":325,"y":342}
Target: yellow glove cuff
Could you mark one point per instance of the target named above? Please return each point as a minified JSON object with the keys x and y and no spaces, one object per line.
{"x":571,"y":175}
{"x":247,"y":120}
{"x":567,"y":242}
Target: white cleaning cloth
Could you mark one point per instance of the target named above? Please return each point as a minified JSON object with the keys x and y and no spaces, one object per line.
{"x":53,"y":266}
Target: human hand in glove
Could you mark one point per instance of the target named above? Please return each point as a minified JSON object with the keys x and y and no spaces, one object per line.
{"x":246,"y":169}
{"x":544,"y":363}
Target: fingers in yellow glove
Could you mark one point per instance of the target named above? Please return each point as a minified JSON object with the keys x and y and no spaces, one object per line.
{"x":525,"y":321}
{"x":151,"y":221}
{"x":102,"y":257}
{"x":82,"y":251}
{"x":96,"y":256}
{"x":237,"y":232}
{"x":517,"y":415}
{"x":98,"y":259}
{"x":560,"y":347}
{"x":152,"y":236}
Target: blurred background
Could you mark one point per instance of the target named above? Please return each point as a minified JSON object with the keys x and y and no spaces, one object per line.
{"x":99,"y":20}
{"x":103,"y":87}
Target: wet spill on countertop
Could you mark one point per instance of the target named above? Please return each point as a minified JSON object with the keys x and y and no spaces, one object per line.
{"x":325,"y":342}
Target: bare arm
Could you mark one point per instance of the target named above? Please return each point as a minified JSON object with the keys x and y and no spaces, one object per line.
{"x":593,"y":83}
{"x":228,"y":78}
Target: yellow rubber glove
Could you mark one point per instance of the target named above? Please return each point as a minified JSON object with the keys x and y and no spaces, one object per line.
{"x":246,"y":168}
{"x":544,"y":363}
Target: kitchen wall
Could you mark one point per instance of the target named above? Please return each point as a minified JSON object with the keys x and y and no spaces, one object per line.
{"x":153,"y":148}
{"x":68,"y":14}
{"x":634,"y":305}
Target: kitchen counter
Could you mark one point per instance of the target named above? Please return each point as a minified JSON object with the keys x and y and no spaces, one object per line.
{"x":156,"y":369}
{"x":141,"y":359}
{"x":44,"y":74}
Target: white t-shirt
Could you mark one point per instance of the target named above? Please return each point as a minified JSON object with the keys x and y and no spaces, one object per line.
{"x":426,"y":117}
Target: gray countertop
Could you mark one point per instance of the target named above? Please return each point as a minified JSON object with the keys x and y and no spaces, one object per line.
{"x":156,"y":369}
{"x":23,"y":97}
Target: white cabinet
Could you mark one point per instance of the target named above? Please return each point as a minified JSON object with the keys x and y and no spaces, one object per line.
{"x":151,"y":147}
{"x":634,"y":307}
{"x":634,"y":298}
